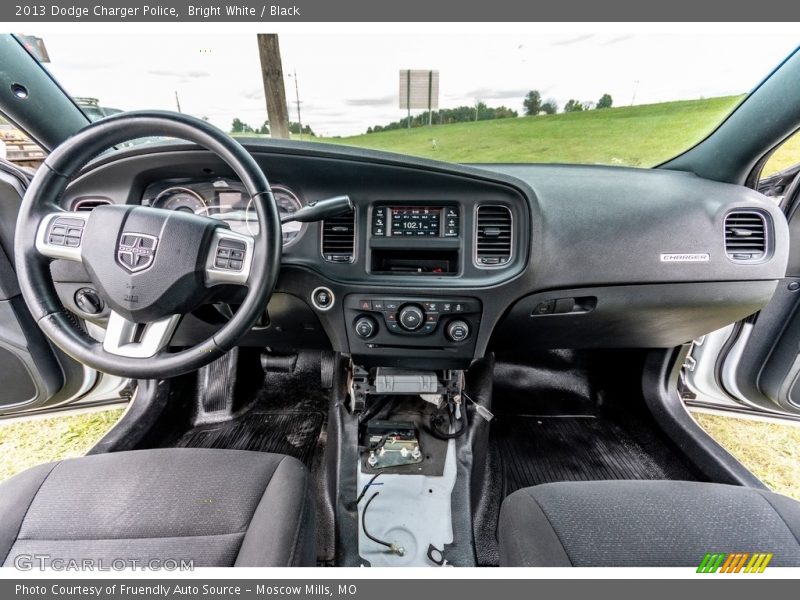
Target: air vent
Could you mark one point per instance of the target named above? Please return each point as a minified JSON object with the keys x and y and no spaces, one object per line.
{"x":746,"y":236}
{"x":338,"y":238}
{"x":493,"y":241}
{"x":89,"y":204}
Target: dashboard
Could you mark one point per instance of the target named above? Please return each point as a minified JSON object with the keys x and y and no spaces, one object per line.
{"x":441,"y":263}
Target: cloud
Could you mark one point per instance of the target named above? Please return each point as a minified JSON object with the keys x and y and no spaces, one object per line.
{"x":380,"y":101}
{"x":575,"y":40}
{"x":253,"y":94}
{"x":490,"y":93}
{"x":183,"y":74}
{"x":617,"y":40}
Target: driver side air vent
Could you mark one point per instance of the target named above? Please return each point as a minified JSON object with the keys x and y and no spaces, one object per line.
{"x":746,"y":236}
{"x":89,"y":204}
{"x":493,"y":236}
{"x":338,"y":238}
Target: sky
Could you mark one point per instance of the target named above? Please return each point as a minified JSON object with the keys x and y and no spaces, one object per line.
{"x":350,"y":82}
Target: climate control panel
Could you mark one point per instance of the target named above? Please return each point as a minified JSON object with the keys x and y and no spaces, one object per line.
{"x":420,"y":326}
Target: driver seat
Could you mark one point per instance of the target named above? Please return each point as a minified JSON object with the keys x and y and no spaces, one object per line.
{"x":215,"y":508}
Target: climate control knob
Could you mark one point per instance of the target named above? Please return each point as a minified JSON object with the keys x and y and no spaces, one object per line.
{"x":366,"y":327}
{"x":411,"y":317}
{"x":457,"y":331}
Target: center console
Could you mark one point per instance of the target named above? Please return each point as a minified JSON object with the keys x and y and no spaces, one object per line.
{"x":415,"y":238}
{"x":412,"y":331}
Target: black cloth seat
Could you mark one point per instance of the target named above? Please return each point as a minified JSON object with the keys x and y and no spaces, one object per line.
{"x":213,"y":507}
{"x":644,"y":523}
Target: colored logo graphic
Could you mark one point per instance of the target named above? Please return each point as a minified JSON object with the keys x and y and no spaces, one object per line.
{"x":736,"y":562}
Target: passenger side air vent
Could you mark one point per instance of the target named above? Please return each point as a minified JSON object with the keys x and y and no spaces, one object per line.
{"x":493,"y":236}
{"x":338,"y":238}
{"x":89,"y":204}
{"x":746,"y":236}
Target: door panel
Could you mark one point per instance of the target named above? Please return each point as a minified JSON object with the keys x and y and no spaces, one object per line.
{"x":33,"y":375}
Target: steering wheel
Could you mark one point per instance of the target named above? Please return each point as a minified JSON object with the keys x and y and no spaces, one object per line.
{"x":151,"y":266}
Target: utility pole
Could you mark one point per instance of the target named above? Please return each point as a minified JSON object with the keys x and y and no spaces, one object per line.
{"x":177,"y":101}
{"x":297,"y":101}
{"x":269,"y":52}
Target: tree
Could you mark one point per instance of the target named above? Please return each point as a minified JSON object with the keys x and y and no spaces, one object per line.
{"x":294,"y":128}
{"x":605,"y":101}
{"x":503,"y":112}
{"x":533,"y":103}
{"x":264,"y":129}
{"x":238,"y":125}
{"x":573,"y":106}
{"x":550,"y":107}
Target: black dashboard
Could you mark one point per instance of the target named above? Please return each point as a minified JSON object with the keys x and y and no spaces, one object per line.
{"x":440,"y":263}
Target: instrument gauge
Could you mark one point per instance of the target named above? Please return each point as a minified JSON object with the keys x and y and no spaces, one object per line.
{"x":288,"y":204}
{"x":181,"y":199}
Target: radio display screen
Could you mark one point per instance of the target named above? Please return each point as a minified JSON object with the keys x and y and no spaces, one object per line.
{"x":417,"y":221}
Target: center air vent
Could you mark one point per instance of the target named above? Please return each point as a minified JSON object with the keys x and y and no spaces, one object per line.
{"x":746,"y":236}
{"x":89,"y":204}
{"x":493,"y":237}
{"x":338,"y":238}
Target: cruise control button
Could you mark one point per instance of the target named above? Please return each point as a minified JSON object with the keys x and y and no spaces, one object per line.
{"x":221,"y":263}
{"x":235,"y":264}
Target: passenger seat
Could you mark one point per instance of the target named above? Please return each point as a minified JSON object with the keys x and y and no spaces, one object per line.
{"x":644,"y":524}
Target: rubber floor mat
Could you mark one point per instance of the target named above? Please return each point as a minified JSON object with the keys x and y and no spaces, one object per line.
{"x":292,"y":433}
{"x":536,"y":450}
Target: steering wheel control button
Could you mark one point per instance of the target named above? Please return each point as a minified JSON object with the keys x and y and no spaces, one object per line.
{"x":322,"y":298}
{"x":230,"y":255}
{"x":366,"y":327}
{"x":65,"y":231}
{"x":411,"y":317}
{"x":458,"y":330}
{"x":89,"y":301}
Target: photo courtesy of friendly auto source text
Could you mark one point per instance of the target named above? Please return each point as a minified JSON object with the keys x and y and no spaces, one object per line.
{"x":354,"y":299}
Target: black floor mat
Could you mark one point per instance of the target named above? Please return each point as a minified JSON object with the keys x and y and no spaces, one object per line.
{"x":292,"y":433}
{"x":545,"y":449}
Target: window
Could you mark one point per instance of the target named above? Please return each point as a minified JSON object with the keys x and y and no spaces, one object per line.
{"x":16,"y":147}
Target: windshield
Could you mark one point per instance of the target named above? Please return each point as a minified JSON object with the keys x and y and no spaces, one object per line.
{"x":621,"y":99}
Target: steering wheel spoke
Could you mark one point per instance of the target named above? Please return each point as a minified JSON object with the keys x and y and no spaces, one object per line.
{"x":60,"y":235}
{"x":138,"y":340}
{"x":230,"y":258}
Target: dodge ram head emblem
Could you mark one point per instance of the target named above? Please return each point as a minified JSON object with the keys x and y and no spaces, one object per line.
{"x":136,"y":251}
